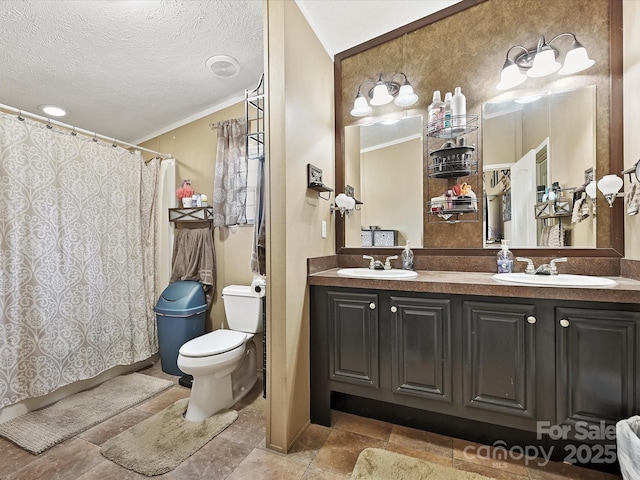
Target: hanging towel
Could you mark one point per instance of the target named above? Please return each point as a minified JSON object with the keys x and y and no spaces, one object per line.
{"x":633,"y":199}
{"x":556,"y":236}
{"x":544,"y":236}
{"x":577,"y":214}
{"x":258,"y":255}
{"x":194,"y":258}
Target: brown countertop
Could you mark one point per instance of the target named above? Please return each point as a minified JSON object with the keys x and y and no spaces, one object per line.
{"x":481,"y":283}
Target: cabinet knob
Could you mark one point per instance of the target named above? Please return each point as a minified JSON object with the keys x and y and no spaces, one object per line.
{"x":372,"y":306}
{"x":531,"y":319}
{"x":394,"y":309}
{"x":564,"y":323}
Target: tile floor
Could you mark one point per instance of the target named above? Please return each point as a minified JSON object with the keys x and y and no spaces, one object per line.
{"x":239,"y":452}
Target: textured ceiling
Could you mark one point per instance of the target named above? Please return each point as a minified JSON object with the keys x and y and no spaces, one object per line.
{"x":132,"y":69}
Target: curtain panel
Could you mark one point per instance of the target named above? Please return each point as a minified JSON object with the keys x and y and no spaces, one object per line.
{"x":230,"y":182}
{"x":77,"y":245}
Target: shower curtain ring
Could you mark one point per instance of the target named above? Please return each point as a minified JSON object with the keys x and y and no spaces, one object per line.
{"x":49,"y":126}
{"x":73,"y":132}
{"x":95,"y":137}
{"x":114,"y":144}
{"x":20,"y":117}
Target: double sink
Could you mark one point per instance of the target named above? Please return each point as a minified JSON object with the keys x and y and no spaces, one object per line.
{"x":560,"y":280}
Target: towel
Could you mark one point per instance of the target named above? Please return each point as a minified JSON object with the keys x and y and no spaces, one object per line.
{"x":556,"y":236}
{"x":633,"y":199}
{"x":258,"y":254}
{"x":194,"y":258}
{"x":579,"y":212}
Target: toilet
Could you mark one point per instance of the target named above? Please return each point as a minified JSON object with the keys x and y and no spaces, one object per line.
{"x":223,"y":362}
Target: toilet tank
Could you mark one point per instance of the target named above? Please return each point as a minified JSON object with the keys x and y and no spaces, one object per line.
{"x":242,"y":309}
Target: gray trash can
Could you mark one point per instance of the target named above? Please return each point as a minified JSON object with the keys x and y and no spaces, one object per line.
{"x":180,"y":313}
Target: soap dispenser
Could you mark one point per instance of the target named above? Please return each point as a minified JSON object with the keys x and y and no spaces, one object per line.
{"x":505,"y":259}
{"x":407,"y":258}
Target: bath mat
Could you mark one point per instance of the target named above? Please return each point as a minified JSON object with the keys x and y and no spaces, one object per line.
{"x":378,"y":464}
{"x":162,"y":442}
{"x":42,"y":429}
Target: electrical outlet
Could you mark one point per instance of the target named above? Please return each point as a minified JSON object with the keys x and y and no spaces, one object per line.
{"x":324,"y":229}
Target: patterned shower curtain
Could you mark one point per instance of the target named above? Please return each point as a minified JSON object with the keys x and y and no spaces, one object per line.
{"x":77,"y":275}
{"x":230,"y":182}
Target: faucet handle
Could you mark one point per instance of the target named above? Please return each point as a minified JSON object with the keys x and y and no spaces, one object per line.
{"x":387,"y":262}
{"x":371,"y":261}
{"x":530,"y":270}
{"x":552,"y":264}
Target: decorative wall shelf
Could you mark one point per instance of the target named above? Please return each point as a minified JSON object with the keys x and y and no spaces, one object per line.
{"x":191,"y":214}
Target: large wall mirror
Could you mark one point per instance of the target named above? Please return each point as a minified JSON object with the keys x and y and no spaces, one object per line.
{"x":539,"y":152}
{"x":547,"y":137}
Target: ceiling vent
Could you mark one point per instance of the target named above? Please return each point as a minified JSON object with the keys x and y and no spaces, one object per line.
{"x":223,"y":66}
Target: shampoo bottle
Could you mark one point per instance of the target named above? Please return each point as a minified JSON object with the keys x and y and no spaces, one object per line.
{"x":459,"y":110}
{"x":505,"y":259}
{"x":435,"y":113}
{"x":447,"y":110}
{"x":407,"y":258}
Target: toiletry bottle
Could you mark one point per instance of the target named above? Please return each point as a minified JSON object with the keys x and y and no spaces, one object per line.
{"x":459,"y":110}
{"x":505,"y":259}
{"x":447,"y":110}
{"x":435,"y":112}
{"x":407,"y":258}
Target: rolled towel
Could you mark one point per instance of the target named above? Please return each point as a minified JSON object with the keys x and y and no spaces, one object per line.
{"x":576,"y":214}
{"x":633,"y":199}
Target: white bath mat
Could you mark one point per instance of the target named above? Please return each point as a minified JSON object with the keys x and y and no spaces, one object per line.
{"x":42,"y":429}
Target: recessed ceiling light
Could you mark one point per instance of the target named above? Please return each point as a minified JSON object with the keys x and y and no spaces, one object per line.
{"x":53,"y":110}
{"x":223,"y":66}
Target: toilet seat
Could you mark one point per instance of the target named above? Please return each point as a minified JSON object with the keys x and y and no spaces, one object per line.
{"x":213,"y":343}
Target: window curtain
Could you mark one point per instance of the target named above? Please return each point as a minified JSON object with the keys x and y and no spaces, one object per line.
{"x":77,"y":246}
{"x":230,"y":182}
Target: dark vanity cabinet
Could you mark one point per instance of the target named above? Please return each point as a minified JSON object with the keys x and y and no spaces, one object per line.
{"x":514,"y":364}
{"x":597,"y":367}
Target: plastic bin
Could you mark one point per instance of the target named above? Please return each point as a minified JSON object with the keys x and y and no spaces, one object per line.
{"x":180,"y":313}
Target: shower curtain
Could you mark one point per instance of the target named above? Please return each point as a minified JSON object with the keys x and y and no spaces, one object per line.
{"x":77,"y":274}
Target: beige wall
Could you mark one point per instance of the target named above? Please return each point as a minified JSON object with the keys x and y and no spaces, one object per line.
{"x":300,"y":125}
{"x":631,"y":81}
{"x":393,"y":196}
{"x":194,"y":148}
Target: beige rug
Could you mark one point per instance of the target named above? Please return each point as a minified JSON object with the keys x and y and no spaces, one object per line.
{"x":162,"y":442}
{"x":42,"y":429}
{"x":378,"y":464}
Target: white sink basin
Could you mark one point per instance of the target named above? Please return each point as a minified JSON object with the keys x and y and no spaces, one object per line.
{"x":560,"y":280}
{"x":393,"y":274}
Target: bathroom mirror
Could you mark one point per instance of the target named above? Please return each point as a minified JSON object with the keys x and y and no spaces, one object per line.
{"x":417,"y":50}
{"x":531,"y":144}
{"x":384,"y":166}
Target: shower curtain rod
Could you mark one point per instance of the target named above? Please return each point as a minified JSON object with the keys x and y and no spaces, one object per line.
{"x":79,"y":130}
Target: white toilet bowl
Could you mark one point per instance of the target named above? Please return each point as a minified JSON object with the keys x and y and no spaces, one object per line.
{"x":223,"y":366}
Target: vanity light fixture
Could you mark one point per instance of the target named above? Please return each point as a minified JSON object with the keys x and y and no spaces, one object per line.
{"x":610,"y":185}
{"x":542,"y":61}
{"x":382,"y":93}
{"x":344,"y":203}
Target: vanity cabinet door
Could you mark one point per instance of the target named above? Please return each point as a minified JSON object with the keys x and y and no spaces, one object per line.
{"x":499,"y":362}
{"x":597,"y":371}
{"x":353,"y":338}
{"x":421,"y":347}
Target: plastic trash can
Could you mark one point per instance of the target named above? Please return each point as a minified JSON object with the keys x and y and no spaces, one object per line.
{"x":180,"y":313}
{"x":628,"y":443}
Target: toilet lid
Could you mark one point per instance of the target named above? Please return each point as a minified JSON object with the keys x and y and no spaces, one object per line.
{"x":218,"y":341}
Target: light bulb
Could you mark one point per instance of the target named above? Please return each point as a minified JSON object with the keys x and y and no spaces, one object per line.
{"x":511,"y":76}
{"x":361,"y":107}
{"x":381,"y":95}
{"x":406,"y":96}
{"x":544,"y":64}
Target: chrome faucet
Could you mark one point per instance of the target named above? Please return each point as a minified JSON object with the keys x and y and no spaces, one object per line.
{"x":377,"y":264}
{"x":545,"y":269}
